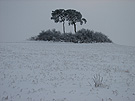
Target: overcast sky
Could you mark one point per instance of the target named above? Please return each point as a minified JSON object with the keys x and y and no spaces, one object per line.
{"x":21,"y":19}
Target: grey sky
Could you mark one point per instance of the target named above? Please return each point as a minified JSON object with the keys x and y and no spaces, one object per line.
{"x":21,"y":19}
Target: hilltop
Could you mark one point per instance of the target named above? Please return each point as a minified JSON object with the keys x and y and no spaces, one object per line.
{"x":48,"y":71}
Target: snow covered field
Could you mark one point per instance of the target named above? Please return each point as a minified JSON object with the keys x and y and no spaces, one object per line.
{"x":47,"y":71}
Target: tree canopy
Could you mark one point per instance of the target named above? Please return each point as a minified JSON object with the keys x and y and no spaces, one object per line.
{"x":59,"y":16}
{"x":73,"y":16}
{"x":70,"y":15}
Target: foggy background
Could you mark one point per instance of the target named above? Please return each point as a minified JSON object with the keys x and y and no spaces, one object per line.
{"x":22,"y":19}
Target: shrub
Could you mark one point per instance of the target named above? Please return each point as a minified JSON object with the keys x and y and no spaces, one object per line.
{"x":97,"y":80}
{"x":87,"y":36}
{"x":49,"y":35}
{"x":81,"y":36}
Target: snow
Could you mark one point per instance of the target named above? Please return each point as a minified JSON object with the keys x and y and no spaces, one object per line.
{"x":47,"y":71}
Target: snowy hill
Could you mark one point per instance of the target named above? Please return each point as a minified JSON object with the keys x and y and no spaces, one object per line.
{"x":45,"y":71}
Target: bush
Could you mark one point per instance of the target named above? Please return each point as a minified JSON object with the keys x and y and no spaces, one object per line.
{"x":82,"y":36}
{"x":49,"y":35}
{"x":98,"y":80}
{"x":87,"y":36}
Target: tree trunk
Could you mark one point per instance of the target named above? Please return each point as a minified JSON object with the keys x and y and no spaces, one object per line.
{"x":64,"y":27}
{"x":75,"y":27}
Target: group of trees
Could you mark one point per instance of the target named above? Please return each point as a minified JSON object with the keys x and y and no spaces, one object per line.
{"x":81,"y":36}
{"x":70,"y":15}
